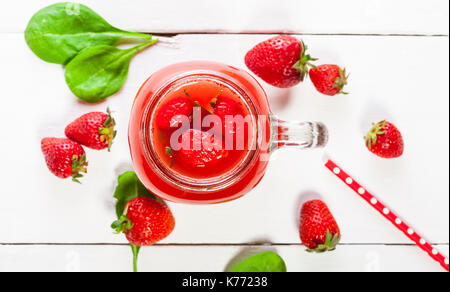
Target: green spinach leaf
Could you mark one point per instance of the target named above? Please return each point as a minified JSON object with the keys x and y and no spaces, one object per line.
{"x":263,"y":262}
{"x":101,"y":71}
{"x":57,"y":33}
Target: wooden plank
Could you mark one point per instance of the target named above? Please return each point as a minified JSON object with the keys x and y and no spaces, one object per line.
{"x":256,"y":16}
{"x":212,"y":259}
{"x":390,"y":79}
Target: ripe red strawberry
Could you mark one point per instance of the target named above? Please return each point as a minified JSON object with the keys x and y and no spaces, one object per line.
{"x":168,"y":116}
{"x":280,"y":61}
{"x":145,"y":221}
{"x":385,"y":140}
{"x":200,"y":149}
{"x":329,"y":79}
{"x":64,"y":157}
{"x":94,"y":130}
{"x":227,"y":109}
{"x":319,"y":231}
{"x":223,"y":106}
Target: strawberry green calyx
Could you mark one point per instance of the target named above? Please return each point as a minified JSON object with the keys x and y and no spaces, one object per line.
{"x":122,"y":225}
{"x":372,"y":136}
{"x":79,"y":165}
{"x":341,"y":81}
{"x":169,"y":152}
{"x":305,"y":61}
{"x":107,"y":132}
{"x":330,"y":244}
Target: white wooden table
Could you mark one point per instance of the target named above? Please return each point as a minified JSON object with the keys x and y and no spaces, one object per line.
{"x":397,"y":53}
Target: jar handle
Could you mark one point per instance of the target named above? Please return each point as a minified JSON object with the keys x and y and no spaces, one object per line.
{"x":301,"y":135}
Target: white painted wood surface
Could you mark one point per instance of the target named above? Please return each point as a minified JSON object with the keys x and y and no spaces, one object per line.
{"x":291,"y":16}
{"x":211,"y":258}
{"x":402,"y":78}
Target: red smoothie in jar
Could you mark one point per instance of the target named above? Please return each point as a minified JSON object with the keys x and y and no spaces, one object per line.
{"x":182,"y":102}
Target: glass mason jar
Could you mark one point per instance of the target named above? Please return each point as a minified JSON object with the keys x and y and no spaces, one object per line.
{"x":243,"y":172}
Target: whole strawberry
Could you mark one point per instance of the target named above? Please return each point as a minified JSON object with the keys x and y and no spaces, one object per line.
{"x":94,"y":130}
{"x":329,"y":79}
{"x":168,"y":116}
{"x":65,"y":158}
{"x":227,"y":107}
{"x":200,"y":150}
{"x":145,"y":221}
{"x":385,"y":140}
{"x":319,"y":231}
{"x":280,"y":61}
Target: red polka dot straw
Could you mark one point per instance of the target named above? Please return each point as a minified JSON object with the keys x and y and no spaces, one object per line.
{"x":388,"y":214}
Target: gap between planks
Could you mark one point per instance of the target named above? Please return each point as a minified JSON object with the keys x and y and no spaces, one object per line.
{"x":208,"y":244}
{"x":194,"y":32}
{"x":173,"y":34}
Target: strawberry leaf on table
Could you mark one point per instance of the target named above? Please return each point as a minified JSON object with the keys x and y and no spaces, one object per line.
{"x":99,"y":72}
{"x":57,"y":33}
{"x":263,"y":262}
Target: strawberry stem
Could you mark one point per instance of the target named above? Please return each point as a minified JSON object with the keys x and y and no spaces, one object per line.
{"x":305,"y":60}
{"x":135,"y":249}
{"x":214,"y":100}
{"x":123,"y":224}
{"x":187,"y":94}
